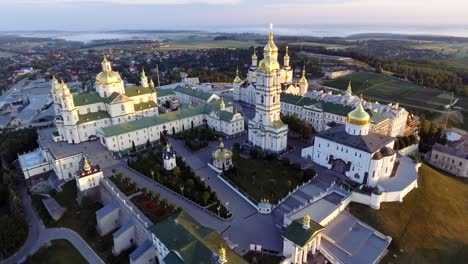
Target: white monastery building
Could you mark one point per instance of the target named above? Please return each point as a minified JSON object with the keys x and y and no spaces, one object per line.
{"x":80,"y":117}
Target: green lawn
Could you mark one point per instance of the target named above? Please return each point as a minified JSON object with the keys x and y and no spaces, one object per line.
{"x":430,"y":226}
{"x":61,"y":251}
{"x":264,"y":179}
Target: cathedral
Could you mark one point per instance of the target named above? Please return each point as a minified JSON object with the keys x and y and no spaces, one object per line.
{"x":353,"y":150}
{"x":266,"y":130}
{"x":79,"y":117}
{"x":245,"y":90}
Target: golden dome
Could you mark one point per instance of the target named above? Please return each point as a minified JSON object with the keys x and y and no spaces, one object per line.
{"x":222,"y":153}
{"x":286,"y":55}
{"x":303,"y":79}
{"x":237,"y":79}
{"x":108,"y":77}
{"x":268,"y":65}
{"x":359,"y":116}
{"x":86,"y":166}
{"x":270,"y":47}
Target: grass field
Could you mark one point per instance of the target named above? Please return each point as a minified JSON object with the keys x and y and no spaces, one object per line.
{"x":264,"y":179}
{"x":429,"y":226}
{"x":325,"y":45}
{"x":61,"y":251}
{"x":418,"y":99}
{"x":6,"y":54}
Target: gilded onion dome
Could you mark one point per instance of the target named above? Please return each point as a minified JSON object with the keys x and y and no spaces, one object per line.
{"x":303,"y":79}
{"x":286,"y":56}
{"x":86,"y":166}
{"x":221,"y":153}
{"x":237,"y":79}
{"x":359,"y":116}
{"x":254,"y":55}
{"x":57,"y":87}
{"x":108,"y":76}
{"x":270,"y":47}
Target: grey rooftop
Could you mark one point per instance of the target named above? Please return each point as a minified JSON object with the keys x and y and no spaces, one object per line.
{"x":369,"y":143}
{"x":110,"y":207}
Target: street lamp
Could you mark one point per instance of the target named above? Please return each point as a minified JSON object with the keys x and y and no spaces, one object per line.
{"x":152,"y":174}
{"x":182,"y":190}
{"x":227,"y":207}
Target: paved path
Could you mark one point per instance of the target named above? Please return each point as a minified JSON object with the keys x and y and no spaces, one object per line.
{"x":39,"y":236}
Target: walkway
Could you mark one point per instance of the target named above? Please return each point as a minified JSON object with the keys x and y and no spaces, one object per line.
{"x":39,"y":235}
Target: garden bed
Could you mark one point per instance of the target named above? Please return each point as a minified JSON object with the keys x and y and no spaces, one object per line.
{"x":266,"y":178}
{"x":124,"y":184}
{"x":181,"y":180}
{"x":197,"y":138}
{"x":155,"y":209}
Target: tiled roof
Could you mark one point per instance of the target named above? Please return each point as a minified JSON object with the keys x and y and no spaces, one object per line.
{"x":369,"y":143}
{"x":297,"y":234}
{"x":193,"y":243}
{"x":93,"y":116}
{"x":135,"y":91}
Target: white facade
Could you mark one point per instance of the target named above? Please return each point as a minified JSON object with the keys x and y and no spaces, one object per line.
{"x":266,"y":130}
{"x":138,"y":132}
{"x":245,"y":90}
{"x":397,"y":116}
{"x":169,"y":158}
{"x":80,"y":117}
{"x":88,"y":177}
{"x":353,"y":150}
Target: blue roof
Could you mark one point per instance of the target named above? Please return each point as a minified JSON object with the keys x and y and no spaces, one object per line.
{"x":122,"y":229}
{"x":106,"y":210}
{"x":141,"y":250}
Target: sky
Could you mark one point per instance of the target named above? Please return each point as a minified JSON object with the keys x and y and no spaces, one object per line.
{"x":220,"y":14}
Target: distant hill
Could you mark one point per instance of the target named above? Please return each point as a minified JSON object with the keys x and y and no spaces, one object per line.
{"x":406,"y":37}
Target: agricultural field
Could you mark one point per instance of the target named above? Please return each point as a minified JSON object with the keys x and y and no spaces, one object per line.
{"x":458,"y":53}
{"x":325,"y":45}
{"x":417,"y":99}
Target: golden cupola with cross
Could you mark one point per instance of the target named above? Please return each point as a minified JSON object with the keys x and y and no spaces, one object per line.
{"x":269,"y":62}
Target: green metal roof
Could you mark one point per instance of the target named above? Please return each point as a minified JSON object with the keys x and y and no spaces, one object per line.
{"x":327,"y":107}
{"x":300,"y":236}
{"x":193,"y":92}
{"x":92,"y":117}
{"x":192,"y":241}
{"x":160,"y":119}
{"x":111,"y":98}
{"x":377,"y":117}
{"x":87,"y":98}
{"x":145,"y":105}
{"x":164,"y":92}
{"x":226,"y":115}
{"x":135,"y":91}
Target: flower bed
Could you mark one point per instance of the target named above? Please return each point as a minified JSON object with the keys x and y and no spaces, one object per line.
{"x":155,"y":210}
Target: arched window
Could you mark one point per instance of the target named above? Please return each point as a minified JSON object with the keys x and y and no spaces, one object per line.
{"x":262,"y":98}
{"x":274,"y":99}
